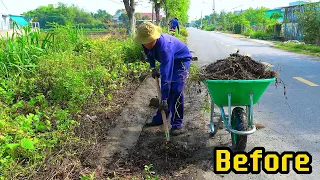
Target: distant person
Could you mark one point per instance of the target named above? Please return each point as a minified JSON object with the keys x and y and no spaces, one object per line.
{"x":174,"y":24}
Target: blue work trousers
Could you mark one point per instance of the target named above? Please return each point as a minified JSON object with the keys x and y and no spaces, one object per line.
{"x":176,"y":95}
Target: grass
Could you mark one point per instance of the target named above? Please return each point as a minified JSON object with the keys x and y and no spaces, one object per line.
{"x":300,"y":48}
{"x":48,"y":81}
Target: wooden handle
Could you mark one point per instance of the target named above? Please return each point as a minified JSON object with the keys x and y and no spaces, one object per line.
{"x":163,"y":114}
{"x":158,"y":89}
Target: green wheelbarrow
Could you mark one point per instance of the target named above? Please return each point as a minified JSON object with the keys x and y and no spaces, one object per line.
{"x":235,"y":93}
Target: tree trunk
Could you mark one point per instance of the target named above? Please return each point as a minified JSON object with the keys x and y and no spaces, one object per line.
{"x":152,"y":13}
{"x":157,"y":9}
{"x":165,"y":7}
{"x":130,"y":8}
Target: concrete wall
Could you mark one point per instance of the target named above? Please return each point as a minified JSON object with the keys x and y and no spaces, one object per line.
{"x":4,"y":22}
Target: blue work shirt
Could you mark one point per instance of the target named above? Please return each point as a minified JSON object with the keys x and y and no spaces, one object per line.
{"x":174,"y":24}
{"x":171,"y":53}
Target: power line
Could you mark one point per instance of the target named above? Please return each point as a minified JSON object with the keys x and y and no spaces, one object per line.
{"x":111,"y":1}
{"x":5,"y":6}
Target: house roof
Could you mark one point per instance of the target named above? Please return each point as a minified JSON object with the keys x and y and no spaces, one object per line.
{"x":19,"y":20}
{"x":149,"y":15}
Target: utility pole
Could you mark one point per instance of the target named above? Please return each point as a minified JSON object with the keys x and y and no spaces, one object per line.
{"x":213,"y":11}
{"x":201,"y":20}
{"x":152,"y":11}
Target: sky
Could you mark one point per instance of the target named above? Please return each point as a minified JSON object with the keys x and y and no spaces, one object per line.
{"x":17,"y":7}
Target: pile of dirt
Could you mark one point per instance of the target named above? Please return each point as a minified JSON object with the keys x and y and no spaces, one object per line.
{"x":166,"y":157}
{"x":236,"y":67}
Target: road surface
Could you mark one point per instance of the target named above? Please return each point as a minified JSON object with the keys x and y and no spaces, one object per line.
{"x":292,"y":124}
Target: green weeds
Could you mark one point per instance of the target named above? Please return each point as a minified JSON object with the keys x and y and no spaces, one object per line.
{"x":300,"y":48}
{"x":46,"y":80}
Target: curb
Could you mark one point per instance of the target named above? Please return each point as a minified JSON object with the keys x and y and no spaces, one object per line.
{"x":269,"y":43}
{"x":129,"y":124}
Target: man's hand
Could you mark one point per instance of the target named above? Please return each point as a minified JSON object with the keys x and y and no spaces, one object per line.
{"x":155,"y":73}
{"x":163,"y":106}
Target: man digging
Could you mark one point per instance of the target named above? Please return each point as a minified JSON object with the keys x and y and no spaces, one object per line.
{"x":174,"y":57}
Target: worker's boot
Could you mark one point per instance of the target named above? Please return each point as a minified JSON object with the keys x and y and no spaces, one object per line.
{"x":152,"y":124}
{"x":176,"y":132}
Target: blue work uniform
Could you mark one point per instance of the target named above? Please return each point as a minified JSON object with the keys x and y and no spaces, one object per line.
{"x":174,"y":23}
{"x":175,"y":58}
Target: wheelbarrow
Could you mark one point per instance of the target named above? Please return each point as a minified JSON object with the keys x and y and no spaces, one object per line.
{"x":237,"y":94}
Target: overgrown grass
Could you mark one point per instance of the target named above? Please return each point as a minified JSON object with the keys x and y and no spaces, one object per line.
{"x":46,"y":81}
{"x":183,"y":32}
{"x":261,"y":35}
{"x":300,"y":48}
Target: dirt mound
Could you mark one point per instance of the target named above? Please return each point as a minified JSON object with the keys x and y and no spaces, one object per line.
{"x":236,"y":67}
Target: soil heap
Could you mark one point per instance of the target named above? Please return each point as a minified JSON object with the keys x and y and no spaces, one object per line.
{"x":236,"y":67}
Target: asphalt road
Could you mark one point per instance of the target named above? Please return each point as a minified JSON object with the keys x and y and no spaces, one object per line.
{"x":292,"y":124}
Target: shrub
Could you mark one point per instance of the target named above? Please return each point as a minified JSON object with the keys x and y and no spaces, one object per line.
{"x":248,"y":32}
{"x":210,"y":28}
{"x":183,"y":31}
{"x":261,"y":35}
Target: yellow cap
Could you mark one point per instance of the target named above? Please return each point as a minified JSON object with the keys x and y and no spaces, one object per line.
{"x":147,"y":32}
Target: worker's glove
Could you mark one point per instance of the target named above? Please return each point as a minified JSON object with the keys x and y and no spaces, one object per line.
{"x":163,"y":106}
{"x":155,"y":73}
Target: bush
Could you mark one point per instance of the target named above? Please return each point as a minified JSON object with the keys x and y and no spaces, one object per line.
{"x":248,"y":32}
{"x":261,"y":35}
{"x":183,"y":31}
{"x":210,"y":28}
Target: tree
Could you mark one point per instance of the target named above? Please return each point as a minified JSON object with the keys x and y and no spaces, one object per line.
{"x":102,"y":15}
{"x":157,"y":6}
{"x":65,"y":15}
{"x":138,"y":16}
{"x":130,"y":9}
{"x":230,"y":21}
{"x":125,"y":19}
{"x":223,"y":21}
{"x":177,"y":9}
{"x":310,"y":23}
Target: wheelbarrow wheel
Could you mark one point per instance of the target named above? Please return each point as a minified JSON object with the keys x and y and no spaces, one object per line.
{"x":239,"y":122}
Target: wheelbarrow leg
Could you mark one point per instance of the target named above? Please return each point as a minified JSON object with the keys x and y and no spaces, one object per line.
{"x":213,"y":128}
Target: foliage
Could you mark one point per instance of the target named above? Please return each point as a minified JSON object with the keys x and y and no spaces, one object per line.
{"x":310,"y":22}
{"x":251,"y":22}
{"x":210,"y":28}
{"x":177,"y":9}
{"x":248,"y":32}
{"x":68,"y":15}
{"x":149,"y":174}
{"x":183,"y":31}
{"x":261,"y":35}
{"x":300,"y":48}
{"x":46,"y":80}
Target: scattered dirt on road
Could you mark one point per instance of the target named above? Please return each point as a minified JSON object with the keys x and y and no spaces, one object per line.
{"x":236,"y":67}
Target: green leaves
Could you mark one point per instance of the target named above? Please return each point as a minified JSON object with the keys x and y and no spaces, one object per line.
{"x":27,"y":144}
{"x":12,"y":146}
{"x":310,"y":23}
{"x":177,"y":9}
